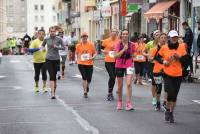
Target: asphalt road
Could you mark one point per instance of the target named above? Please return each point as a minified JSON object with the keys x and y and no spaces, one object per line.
{"x":24,"y":112}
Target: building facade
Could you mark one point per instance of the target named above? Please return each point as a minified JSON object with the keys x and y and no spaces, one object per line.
{"x":41,"y":14}
{"x":16,"y":17}
{"x":3,"y":21}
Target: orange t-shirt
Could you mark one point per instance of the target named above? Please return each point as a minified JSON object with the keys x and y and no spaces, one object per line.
{"x":157,"y":66}
{"x":84,"y":52}
{"x":109,"y":46}
{"x":175,"y":68}
{"x":139,"y":56}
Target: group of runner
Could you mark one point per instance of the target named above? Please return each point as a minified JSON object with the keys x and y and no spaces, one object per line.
{"x":165,"y":55}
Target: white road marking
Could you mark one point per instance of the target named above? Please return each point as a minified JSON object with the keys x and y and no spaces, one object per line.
{"x":98,"y":68}
{"x":15,"y":61}
{"x":77,"y":76}
{"x":1,"y":76}
{"x":84,"y":123}
{"x":17,"y":87}
{"x":197,"y":101}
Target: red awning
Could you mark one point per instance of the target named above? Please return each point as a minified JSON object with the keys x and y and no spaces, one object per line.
{"x":157,"y":11}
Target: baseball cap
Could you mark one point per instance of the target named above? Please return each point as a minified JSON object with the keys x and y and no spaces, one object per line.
{"x":173,"y":33}
{"x":84,"y":34}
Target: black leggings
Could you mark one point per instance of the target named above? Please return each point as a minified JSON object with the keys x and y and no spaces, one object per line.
{"x":110,"y":67}
{"x":86,"y":72}
{"x":139,"y":68}
{"x":52,"y":68}
{"x":158,"y":86}
{"x":172,"y":86}
{"x":40,"y":67}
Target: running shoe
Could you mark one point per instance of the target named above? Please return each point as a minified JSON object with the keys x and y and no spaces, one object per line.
{"x":110,"y":97}
{"x":167,"y":115}
{"x":157,"y":106}
{"x":85,"y":95}
{"x":154,"y":101}
{"x":59,"y":77}
{"x":171,"y":117}
{"x":119,"y":105}
{"x":36,"y":89}
{"x":164,"y":106}
{"x":45,"y":89}
{"x":53,"y":97}
{"x":129,"y":106}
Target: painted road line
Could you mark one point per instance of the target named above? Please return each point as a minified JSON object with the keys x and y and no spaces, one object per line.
{"x":98,"y":68}
{"x":77,"y":76}
{"x":1,"y":76}
{"x":197,"y":101}
{"x":15,"y":61}
{"x":83,"y":122}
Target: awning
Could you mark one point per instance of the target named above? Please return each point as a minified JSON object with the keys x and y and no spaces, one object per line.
{"x":157,"y":11}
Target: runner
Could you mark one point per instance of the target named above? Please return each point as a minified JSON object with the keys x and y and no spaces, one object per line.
{"x":72,"y":41}
{"x":173,"y":56}
{"x":108,"y":48}
{"x":63,"y":53}
{"x":124,"y":67}
{"x":39,"y":60}
{"x":85,"y":54}
{"x":54,"y":44}
{"x":150,"y":45}
{"x":158,"y":70}
{"x":26,"y":41}
{"x":140,"y":59}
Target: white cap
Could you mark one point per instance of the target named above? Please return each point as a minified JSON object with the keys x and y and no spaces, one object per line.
{"x":173,"y":33}
{"x":155,"y":32}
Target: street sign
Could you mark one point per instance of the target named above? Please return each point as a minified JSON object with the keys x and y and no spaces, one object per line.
{"x":133,"y":8}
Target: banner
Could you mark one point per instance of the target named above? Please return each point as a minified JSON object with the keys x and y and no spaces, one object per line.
{"x":133,"y":8}
{"x":123,"y":7}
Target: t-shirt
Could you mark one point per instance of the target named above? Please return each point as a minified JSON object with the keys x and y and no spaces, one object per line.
{"x":65,"y":42}
{"x":157,"y":66}
{"x":109,"y":46}
{"x":139,"y":50}
{"x":175,"y":68}
{"x":122,"y":62}
{"x":38,"y":56}
{"x":84,"y":52}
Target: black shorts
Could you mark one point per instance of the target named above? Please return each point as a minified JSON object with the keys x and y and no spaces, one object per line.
{"x":155,"y":75}
{"x":139,"y":68}
{"x":120,"y":72}
{"x":172,"y":86}
{"x":86,"y":72}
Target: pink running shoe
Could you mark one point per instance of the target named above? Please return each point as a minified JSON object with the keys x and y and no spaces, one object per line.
{"x":119,"y":105}
{"x":129,"y":106}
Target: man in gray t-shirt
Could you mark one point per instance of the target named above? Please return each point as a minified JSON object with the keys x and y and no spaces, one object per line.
{"x":54,"y":44}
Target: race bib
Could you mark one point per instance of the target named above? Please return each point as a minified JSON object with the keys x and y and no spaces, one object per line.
{"x":140,"y":57}
{"x":112,"y":54}
{"x":130,"y":70}
{"x":85,"y":57}
{"x":158,"y":79}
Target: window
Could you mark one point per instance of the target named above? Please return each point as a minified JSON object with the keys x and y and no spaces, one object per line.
{"x":53,"y":8}
{"x":41,"y":18}
{"x":41,"y":7}
{"x":36,"y":7}
{"x":54,"y":18}
{"x":36,"y":18}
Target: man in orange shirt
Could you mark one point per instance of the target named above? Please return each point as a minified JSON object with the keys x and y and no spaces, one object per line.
{"x":108,"y":46}
{"x":173,"y":56}
{"x":85,"y":54}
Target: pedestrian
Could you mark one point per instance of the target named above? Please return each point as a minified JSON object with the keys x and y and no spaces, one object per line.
{"x":140,"y":57}
{"x":63,"y":53}
{"x":39,"y":57}
{"x":124,"y":67}
{"x":188,"y":39}
{"x":172,"y":56}
{"x":108,"y":47}
{"x":158,"y":71}
{"x":72,"y":41}
{"x":54,"y":44}
{"x":26,"y":41}
{"x":85,"y":54}
{"x":150,"y":45}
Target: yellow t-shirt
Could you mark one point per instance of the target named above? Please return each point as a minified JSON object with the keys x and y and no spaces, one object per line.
{"x":38,"y":56}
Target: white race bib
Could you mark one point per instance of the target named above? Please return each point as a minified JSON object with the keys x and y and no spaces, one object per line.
{"x":112,"y":54}
{"x":130,"y":70}
{"x":85,"y":57}
{"x":158,"y":79}
{"x":140,"y":57}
